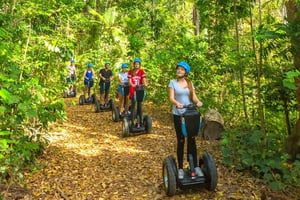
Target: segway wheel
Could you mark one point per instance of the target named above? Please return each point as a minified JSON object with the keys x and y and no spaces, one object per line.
{"x":75,"y":92}
{"x":81,"y":99}
{"x":125,"y":127}
{"x":97,"y":106}
{"x":111,"y":103}
{"x":94,"y":98}
{"x":210,"y":171}
{"x":115,"y":114}
{"x":169,"y":175}
{"x":65,"y":94}
{"x":147,"y":123}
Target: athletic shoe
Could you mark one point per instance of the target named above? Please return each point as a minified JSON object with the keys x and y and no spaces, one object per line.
{"x":180,"y":174}
{"x":198,"y":171}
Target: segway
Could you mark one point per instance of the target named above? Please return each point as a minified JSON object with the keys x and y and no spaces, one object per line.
{"x":107,"y":106}
{"x":116,"y":114}
{"x":68,"y":93}
{"x":136,"y":123}
{"x":91,"y":99}
{"x":209,"y":178}
{"x":71,"y":93}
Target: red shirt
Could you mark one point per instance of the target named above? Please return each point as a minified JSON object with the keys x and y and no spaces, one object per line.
{"x":136,"y":79}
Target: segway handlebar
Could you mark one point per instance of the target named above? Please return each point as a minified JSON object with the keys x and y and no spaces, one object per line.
{"x":190,"y":106}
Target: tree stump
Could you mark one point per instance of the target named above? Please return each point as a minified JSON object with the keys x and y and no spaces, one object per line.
{"x":213,"y":125}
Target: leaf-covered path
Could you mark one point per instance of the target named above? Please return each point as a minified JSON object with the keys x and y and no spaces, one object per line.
{"x":89,"y":159}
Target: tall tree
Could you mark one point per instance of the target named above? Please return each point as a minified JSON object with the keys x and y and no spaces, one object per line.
{"x":293,"y":17}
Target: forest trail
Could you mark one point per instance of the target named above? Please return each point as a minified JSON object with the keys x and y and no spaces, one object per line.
{"x":89,"y":159}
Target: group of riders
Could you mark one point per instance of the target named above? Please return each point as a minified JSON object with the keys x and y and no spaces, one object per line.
{"x":181,"y":92}
{"x":126,"y":79}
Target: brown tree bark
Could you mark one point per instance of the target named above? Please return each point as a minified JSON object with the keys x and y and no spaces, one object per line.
{"x":196,"y":20}
{"x":293,"y":17}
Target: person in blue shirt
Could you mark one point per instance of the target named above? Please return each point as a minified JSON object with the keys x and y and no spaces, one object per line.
{"x":88,"y":79}
{"x":182,"y":92}
{"x":123,"y":88}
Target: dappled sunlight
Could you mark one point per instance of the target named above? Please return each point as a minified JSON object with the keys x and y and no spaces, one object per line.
{"x":89,"y":159}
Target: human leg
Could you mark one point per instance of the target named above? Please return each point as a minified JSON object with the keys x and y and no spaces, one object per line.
{"x":102,"y":86}
{"x":120,"y":103}
{"x":85,"y":88}
{"x":192,"y":149}
{"x":107,"y":90}
{"x":180,"y":140}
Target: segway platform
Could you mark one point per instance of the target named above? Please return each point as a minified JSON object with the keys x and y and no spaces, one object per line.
{"x":84,"y":101}
{"x":105,"y":107}
{"x":171,"y":181}
{"x":188,"y":180}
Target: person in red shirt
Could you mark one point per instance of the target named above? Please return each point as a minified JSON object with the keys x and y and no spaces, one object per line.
{"x":136,"y":76}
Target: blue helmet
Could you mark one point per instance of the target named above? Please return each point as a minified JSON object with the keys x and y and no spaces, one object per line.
{"x":137,"y":60}
{"x":185,"y":66}
{"x":124,"y":65}
{"x":72,"y":61}
{"x":90,"y":65}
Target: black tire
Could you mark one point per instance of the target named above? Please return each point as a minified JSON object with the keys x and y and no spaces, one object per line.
{"x":65,"y":94}
{"x":125,"y":127}
{"x":209,"y":169}
{"x":115,"y":114}
{"x":94,"y":98}
{"x":75,"y":92}
{"x":147,"y":121}
{"x":111,"y":103}
{"x":81,"y":99}
{"x":169,"y":176}
{"x":97,"y":106}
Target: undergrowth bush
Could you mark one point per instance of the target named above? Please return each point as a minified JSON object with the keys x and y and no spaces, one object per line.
{"x":245,"y":150}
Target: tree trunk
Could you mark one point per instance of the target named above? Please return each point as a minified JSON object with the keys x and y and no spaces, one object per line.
{"x":259,"y":93}
{"x":196,"y":20}
{"x":293,"y":17}
{"x":240,"y":65}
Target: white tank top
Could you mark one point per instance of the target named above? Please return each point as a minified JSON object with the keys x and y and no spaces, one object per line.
{"x":124,"y":77}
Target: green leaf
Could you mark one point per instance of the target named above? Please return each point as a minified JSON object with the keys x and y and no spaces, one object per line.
{"x":288,"y":84}
{"x":5,"y":133}
{"x":5,"y":94}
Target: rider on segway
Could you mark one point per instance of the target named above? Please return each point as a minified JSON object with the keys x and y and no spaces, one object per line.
{"x":88,"y":80}
{"x":136,"y":78}
{"x":123,"y":88}
{"x":106,"y":76}
{"x":71,"y":91}
{"x":182,"y":92}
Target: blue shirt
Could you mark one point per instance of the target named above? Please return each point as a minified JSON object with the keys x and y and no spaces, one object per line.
{"x":88,"y":74}
{"x":182,"y":95}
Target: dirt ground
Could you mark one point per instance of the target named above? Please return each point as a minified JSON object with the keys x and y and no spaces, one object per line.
{"x":89,"y":159}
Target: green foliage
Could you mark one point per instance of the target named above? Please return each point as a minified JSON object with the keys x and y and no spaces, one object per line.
{"x":28,"y":90}
{"x":289,"y":81}
{"x":38,"y":37}
{"x":244,"y":150}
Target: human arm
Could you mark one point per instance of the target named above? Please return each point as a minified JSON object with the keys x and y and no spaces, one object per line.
{"x":145,"y":82}
{"x":129,"y":76}
{"x":172,"y":98}
{"x":93,"y":72}
{"x":100,"y":75}
{"x":120,"y":79}
{"x":196,"y":100}
{"x":84,"y":75}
